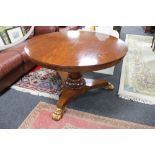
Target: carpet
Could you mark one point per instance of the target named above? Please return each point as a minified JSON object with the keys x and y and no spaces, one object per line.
{"x":137,"y":81}
{"x":40,"y":81}
{"x":40,"y":118}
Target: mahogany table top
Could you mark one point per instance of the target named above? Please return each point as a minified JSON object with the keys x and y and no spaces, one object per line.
{"x":75,"y":51}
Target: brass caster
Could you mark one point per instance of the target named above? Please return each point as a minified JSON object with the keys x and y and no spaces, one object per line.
{"x":57,"y":115}
{"x":109,"y":86}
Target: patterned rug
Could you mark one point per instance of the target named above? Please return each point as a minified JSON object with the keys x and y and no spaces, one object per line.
{"x":40,"y":118}
{"x":40,"y":81}
{"x":138,"y":70}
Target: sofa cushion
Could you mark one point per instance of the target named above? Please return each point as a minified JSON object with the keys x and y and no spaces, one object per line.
{"x":9,"y":61}
{"x":19,"y":49}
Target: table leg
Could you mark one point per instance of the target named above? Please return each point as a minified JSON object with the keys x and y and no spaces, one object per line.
{"x":76,"y":85}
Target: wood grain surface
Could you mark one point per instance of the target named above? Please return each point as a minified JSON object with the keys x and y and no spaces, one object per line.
{"x":75,"y":51}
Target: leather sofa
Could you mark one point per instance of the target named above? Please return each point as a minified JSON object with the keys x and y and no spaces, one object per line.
{"x":14,"y":63}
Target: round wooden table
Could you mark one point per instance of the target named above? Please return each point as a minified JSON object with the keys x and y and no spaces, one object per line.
{"x":71,"y":53}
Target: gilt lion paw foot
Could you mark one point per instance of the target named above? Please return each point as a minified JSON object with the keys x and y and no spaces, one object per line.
{"x":57,"y":115}
{"x":109,"y":86}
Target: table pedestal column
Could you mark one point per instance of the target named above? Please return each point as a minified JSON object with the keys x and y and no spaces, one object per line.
{"x":74,"y":86}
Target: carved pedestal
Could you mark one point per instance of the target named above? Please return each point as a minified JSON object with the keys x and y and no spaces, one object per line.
{"x":74,"y":86}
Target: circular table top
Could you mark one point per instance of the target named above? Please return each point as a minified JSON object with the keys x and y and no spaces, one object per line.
{"x":75,"y":51}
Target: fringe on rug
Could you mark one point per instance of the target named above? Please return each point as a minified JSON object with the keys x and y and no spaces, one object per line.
{"x":36,"y":93}
{"x":136,"y":99}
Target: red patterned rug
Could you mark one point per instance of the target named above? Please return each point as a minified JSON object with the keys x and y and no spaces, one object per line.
{"x":42,"y":82}
{"x":40,"y":118}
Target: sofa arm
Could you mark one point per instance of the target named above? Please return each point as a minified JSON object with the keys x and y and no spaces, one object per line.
{"x":44,"y":29}
{"x":9,"y":61}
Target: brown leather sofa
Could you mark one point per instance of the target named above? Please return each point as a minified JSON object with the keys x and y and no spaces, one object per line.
{"x":14,"y":63}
